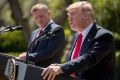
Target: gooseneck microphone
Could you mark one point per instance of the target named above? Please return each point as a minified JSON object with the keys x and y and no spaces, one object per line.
{"x":20,"y":27}
{"x":11,"y":28}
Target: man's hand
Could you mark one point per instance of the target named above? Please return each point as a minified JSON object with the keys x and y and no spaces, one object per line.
{"x":22,"y":56}
{"x":51,"y":72}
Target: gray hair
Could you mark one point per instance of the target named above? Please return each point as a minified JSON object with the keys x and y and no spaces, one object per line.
{"x":39,"y":6}
{"x":84,"y":6}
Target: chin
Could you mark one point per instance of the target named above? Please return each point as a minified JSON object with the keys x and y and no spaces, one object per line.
{"x":73,"y":29}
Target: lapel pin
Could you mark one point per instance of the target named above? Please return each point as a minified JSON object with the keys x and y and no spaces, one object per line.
{"x":89,"y":40}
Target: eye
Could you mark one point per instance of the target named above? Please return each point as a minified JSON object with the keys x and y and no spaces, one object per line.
{"x":73,"y":14}
{"x":40,"y":16}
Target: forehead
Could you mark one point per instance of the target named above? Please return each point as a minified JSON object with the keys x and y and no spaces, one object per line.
{"x":73,"y":10}
{"x":39,"y":12}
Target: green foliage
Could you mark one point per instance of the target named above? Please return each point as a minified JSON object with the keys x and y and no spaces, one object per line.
{"x":55,"y":7}
{"x":108,"y":15}
{"x":12,"y":42}
{"x":16,"y":54}
{"x":67,"y":30}
{"x":118,"y":64}
{"x":117,"y":40}
{"x":6,"y":15}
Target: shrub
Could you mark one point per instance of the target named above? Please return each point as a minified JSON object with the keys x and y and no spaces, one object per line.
{"x":12,"y":42}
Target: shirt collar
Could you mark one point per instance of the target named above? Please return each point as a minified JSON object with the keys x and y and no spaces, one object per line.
{"x":85,"y":32}
{"x":51,"y":21}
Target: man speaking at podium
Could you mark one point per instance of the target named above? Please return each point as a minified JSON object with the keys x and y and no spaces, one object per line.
{"x":47,"y":41}
{"x":92,"y":56}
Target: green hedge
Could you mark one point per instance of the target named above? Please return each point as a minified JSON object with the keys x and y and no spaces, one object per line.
{"x":12,"y":42}
{"x":118,"y":64}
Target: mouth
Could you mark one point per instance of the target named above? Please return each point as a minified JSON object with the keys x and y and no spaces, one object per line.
{"x":71,"y":24}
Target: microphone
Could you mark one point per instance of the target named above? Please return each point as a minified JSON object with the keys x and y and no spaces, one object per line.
{"x":20,"y":27}
{"x":11,"y":28}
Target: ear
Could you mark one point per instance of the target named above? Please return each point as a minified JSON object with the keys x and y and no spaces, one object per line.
{"x":49,"y":13}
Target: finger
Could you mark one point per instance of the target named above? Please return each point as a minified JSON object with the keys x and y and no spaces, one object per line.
{"x":17,"y":57}
{"x":44,"y":71}
{"x":50,"y":75}
{"x":22,"y":58}
{"x":21,"y":55}
{"x":52,"y":64}
{"x":46,"y":74}
{"x":55,"y":64}
{"x":53,"y":77}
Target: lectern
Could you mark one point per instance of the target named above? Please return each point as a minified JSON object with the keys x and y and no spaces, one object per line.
{"x":13,"y":69}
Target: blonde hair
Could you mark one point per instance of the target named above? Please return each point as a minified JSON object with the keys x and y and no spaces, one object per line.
{"x":84,"y":6}
{"x":39,"y":6}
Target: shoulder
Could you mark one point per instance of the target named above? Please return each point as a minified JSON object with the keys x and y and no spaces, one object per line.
{"x":55,"y":27}
{"x":102,"y":32}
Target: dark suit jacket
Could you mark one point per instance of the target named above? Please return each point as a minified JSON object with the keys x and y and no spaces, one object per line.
{"x":96,"y":59}
{"x":49,"y":46}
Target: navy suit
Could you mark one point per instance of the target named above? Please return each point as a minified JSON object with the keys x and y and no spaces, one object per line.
{"x":49,"y":46}
{"x":96,"y":59}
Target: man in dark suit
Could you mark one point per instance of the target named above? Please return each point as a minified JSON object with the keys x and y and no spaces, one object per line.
{"x":92,"y":56}
{"x":47,"y":42}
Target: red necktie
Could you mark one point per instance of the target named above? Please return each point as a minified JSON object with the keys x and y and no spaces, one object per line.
{"x":77,"y":50}
{"x":77,"y":47}
{"x":38,"y":35}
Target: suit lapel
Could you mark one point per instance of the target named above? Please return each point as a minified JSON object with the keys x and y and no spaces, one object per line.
{"x":34,"y":35}
{"x":73,"y":46}
{"x":47,"y":30}
{"x":89,"y":38}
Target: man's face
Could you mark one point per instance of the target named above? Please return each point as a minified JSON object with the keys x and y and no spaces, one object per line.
{"x":41,"y":17}
{"x":76,"y":19}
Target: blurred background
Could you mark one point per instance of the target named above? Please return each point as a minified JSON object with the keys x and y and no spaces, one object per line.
{"x":17,"y":12}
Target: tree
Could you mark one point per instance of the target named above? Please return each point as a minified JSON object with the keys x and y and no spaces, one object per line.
{"x":1,"y":7}
{"x":17,"y":15}
{"x":60,"y":19}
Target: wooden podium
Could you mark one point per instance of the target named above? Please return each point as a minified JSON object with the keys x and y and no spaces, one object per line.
{"x":22,"y":71}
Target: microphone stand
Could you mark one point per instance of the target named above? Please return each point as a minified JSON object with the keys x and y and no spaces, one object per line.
{"x":30,"y":46}
{"x":38,"y":38}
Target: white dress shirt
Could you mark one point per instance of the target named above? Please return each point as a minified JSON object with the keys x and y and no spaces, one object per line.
{"x":84,"y":34}
{"x":44,"y":27}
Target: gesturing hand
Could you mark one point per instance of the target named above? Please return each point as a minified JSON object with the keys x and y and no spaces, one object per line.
{"x":50,"y":72}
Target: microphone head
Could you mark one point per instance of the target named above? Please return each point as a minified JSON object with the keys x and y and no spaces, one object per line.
{"x":20,"y":27}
